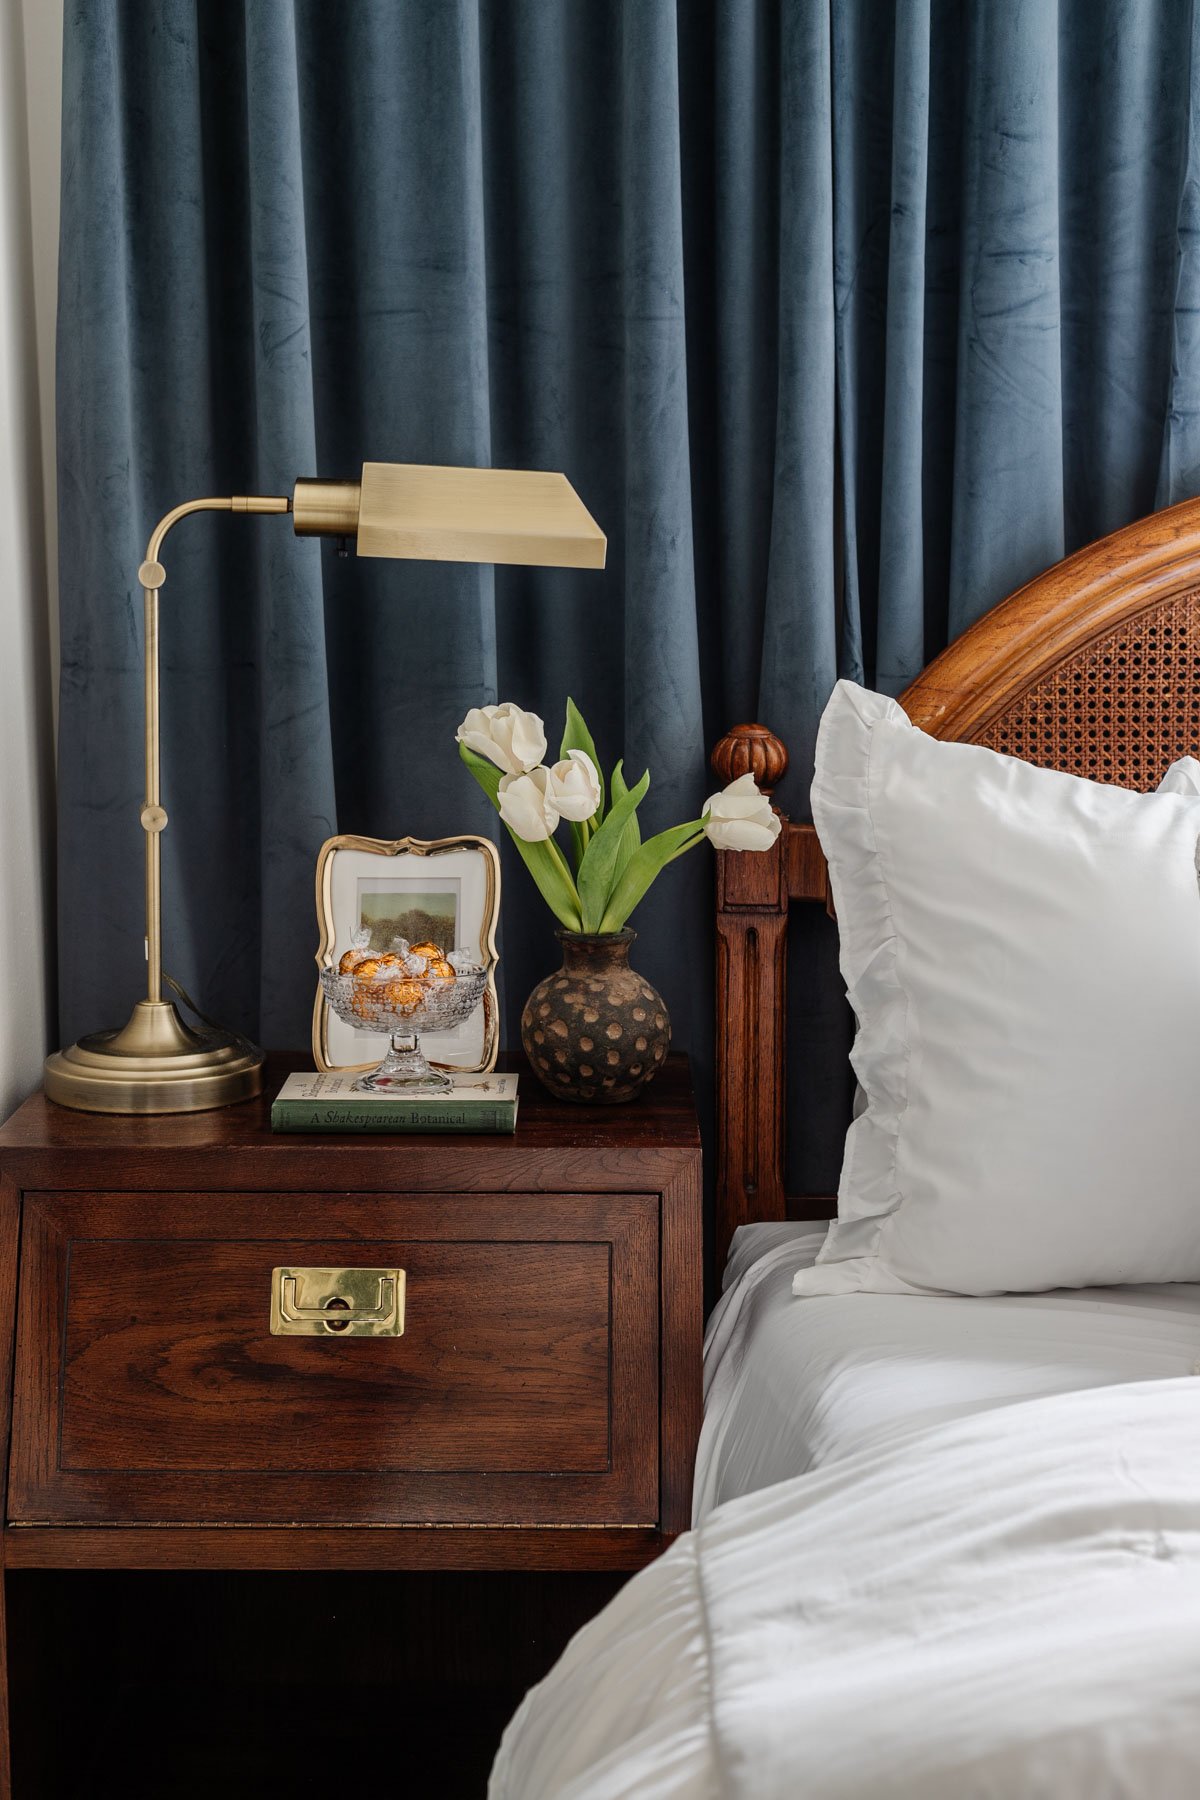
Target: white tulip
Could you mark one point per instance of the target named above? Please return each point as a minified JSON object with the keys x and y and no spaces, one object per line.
{"x":574,"y":786}
{"x":514,"y":740}
{"x":526,"y":805}
{"x":740,"y":818}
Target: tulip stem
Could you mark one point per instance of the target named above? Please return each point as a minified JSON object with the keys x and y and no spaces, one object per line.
{"x":564,"y":865}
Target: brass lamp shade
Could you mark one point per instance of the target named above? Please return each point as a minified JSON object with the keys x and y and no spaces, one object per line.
{"x":155,"y":1063}
{"x":441,"y":514}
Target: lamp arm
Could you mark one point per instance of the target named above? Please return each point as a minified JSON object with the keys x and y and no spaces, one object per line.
{"x":153,"y":817}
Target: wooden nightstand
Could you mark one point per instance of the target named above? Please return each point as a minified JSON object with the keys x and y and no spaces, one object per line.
{"x":540,"y":1410}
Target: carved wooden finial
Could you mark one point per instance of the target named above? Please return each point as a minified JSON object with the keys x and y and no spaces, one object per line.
{"x":751,"y":749}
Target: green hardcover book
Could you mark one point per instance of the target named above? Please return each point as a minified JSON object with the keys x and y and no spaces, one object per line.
{"x":329,"y":1103}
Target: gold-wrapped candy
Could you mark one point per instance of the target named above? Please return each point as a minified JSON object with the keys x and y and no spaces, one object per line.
{"x":404,"y":995}
{"x":372,"y":967}
{"x":431,"y":952}
{"x":443,"y":970}
{"x":352,"y":958}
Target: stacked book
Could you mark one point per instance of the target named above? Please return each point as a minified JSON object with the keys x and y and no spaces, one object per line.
{"x":330,"y":1103}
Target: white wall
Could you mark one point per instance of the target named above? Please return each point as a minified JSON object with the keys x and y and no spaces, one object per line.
{"x":28,"y":257}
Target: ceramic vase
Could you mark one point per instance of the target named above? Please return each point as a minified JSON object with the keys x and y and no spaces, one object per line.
{"x":596,"y":1031}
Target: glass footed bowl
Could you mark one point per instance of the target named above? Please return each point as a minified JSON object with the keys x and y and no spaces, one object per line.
{"x":444,"y":1003}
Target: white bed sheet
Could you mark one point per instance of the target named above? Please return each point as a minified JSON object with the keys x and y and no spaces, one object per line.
{"x":793,"y":1384}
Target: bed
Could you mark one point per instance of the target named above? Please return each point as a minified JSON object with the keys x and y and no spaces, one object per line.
{"x":790,"y":1388}
{"x":942,"y":1545}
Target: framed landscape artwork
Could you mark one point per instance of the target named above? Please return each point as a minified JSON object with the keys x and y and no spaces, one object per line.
{"x":445,"y":892}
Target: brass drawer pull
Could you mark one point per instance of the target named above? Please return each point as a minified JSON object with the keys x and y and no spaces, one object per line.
{"x":337,"y":1302}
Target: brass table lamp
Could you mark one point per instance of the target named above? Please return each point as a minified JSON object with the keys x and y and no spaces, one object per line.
{"x":155,"y":1063}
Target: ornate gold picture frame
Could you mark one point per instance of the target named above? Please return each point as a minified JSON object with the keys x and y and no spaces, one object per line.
{"x":376,"y":882}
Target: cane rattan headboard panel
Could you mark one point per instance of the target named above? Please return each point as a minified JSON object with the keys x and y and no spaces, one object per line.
{"x":1093,"y":667}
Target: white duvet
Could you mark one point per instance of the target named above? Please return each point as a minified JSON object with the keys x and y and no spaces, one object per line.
{"x":1005,"y":1605}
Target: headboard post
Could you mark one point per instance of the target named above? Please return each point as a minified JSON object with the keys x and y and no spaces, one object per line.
{"x":752,"y":916}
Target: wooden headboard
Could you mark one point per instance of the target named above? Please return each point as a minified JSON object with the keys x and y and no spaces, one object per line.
{"x":1093,"y":667}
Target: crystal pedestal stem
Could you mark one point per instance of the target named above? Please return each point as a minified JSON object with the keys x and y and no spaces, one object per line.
{"x":404,"y":1066}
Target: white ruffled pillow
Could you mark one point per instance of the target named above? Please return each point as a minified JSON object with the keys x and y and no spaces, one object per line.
{"x":1022,"y":952}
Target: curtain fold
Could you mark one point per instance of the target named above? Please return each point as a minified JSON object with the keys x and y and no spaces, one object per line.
{"x":843,"y":318}
{"x":1173,"y":180}
{"x":1008,"y":440}
{"x":295,"y":785}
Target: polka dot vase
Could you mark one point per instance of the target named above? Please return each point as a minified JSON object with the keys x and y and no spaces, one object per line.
{"x":596,"y":1032}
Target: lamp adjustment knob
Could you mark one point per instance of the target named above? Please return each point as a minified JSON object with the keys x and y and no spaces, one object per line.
{"x":152,"y":574}
{"x":153,"y":818}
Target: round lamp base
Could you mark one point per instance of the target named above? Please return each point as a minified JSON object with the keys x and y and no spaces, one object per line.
{"x":155,"y":1064}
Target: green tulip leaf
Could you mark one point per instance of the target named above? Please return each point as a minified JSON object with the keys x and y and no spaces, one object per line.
{"x":486,"y":773}
{"x":576,"y":736}
{"x":633,"y":835}
{"x":601,"y":867}
{"x":644,"y":866}
{"x":545,"y":863}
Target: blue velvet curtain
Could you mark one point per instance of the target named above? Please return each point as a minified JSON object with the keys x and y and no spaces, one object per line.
{"x":843,"y":318}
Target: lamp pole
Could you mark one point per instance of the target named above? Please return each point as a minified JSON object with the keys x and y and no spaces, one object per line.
{"x":153,"y":815}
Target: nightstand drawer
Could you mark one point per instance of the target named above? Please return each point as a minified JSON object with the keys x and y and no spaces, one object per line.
{"x":150,"y":1387}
